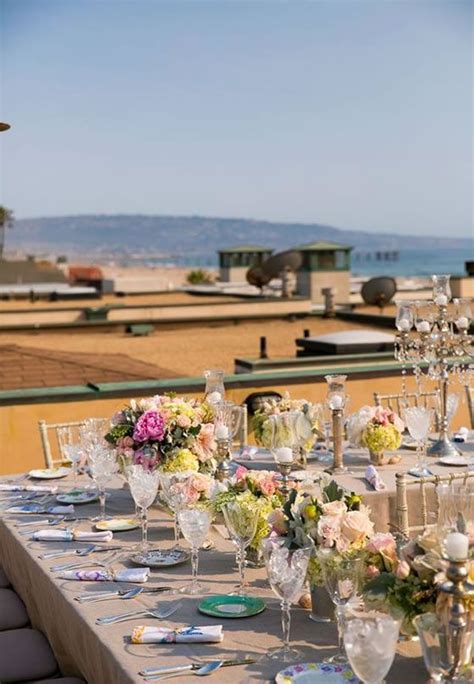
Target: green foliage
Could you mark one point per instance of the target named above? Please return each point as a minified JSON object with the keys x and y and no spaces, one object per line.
{"x":199,"y":277}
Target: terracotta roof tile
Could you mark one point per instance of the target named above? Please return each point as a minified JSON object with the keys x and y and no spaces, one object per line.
{"x":27,"y":367}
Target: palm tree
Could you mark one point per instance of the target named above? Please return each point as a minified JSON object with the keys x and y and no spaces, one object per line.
{"x":6,"y":221}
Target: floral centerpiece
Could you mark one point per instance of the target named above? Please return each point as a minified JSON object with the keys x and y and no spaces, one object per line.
{"x":256,"y":492}
{"x":337,"y":519}
{"x":167,"y":432}
{"x":308,"y":427}
{"x":376,"y":428}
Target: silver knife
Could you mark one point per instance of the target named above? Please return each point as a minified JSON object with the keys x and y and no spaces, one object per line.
{"x":85,"y":598}
{"x":193,"y":666}
{"x":85,"y":551}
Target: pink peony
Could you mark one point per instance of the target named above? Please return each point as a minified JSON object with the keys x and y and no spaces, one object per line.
{"x":147,"y":461}
{"x":150,"y":425}
{"x":268,"y":485}
{"x":402,"y":571}
{"x":205,"y":444}
{"x":356,"y":526}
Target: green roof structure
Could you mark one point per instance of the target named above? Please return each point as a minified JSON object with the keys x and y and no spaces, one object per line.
{"x":244,"y":248}
{"x":322,"y":246}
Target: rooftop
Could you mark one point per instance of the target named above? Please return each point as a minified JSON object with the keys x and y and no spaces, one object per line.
{"x":245,"y":248}
{"x":29,"y":367}
{"x":321,"y":246}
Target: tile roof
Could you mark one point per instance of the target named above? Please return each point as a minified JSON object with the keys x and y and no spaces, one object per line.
{"x":28,"y":367}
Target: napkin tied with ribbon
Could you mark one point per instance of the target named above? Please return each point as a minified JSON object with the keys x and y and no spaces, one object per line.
{"x":186,"y":635}
{"x":374,"y":479}
{"x":72,"y":535}
{"x":47,"y":489}
{"x":36,"y":508}
{"x":137,"y":575}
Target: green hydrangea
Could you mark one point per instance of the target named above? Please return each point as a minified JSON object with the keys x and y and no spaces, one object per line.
{"x":378,"y":438}
{"x":181,"y":461}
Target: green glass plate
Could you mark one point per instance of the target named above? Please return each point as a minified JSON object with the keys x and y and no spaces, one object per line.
{"x":223,"y":606}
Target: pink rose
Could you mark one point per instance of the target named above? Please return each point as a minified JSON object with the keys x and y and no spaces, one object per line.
{"x":372,"y":571}
{"x":382,"y":543}
{"x":403,"y":570}
{"x":268,"y":486}
{"x":241,"y":473}
{"x":328,"y":530}
{"x":201,"y":483}
{"x":278,"y":522}
{"x":356,"y":526}
{"x":150,"y":425}
{"x":183,"y":422}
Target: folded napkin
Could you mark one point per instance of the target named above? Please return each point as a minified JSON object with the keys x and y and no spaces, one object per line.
{"x":187,"y":635}
{"x":248,"y":453}
{"x":28,"y":488}
{"x":461,"y":435}
{"x":36,"y":508}
{"x":71,"y":535}
{"x":374,"y":479}
{"x":138,"y":575}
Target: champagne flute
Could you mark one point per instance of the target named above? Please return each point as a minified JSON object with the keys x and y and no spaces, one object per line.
{"x":241,"y":524}
{"x":342,"y":577}
{"x":194,"y":522}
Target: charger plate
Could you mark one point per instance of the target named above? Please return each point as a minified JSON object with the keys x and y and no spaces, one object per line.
{"x":161,"y":559}
{"x":316,"y":673}
{"x":77,"y":496}
{"x":224,"y":606}
{"x":118,"y":524}
{"x":49,"y":473}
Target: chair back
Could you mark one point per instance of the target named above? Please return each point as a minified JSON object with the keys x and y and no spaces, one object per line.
{"x":53,"y":456}
{"x":428,"y":487}
{"x":470,"y":404}
{"x":397,"y":402}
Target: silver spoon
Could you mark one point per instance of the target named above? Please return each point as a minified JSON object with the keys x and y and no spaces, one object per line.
{"x":159,"y":614}
{"x":203,"y":671}
{"x":106,"y":595}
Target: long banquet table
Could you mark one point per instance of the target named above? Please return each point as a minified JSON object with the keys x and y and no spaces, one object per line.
{"x":104,"y":654}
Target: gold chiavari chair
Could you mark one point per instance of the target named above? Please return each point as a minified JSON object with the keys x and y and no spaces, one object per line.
{"x":44,"y":428}
{"x":427,"y":488}
{"x":396,"y":402}
{"x":470,"y":404}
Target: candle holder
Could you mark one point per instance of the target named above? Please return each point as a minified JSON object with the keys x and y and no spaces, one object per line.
{"x":336,"y":400}
{"x":223,"y":436}
{"x":453,"y":615}
{"x":440,"y":340}
{"x":215,"y":390}
{"x":285,"y":444}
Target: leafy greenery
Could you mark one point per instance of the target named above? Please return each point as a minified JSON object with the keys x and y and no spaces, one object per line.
{"x":200,"y":277}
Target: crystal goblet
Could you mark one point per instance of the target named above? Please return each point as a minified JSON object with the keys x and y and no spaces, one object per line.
{"x":286,"y":571}
{"x":70,"y":444}
{"x":370,"y":640}
{"x":143,"y":487}
{"x":241,"y":524}
{"x":173,"y":492}
{"x":418,"y":420}
{"x":194,"y":522}
{"x":103,"y":464}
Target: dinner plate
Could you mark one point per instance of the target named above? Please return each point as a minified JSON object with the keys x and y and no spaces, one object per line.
{"x":302,"y":475}
{"x":161,"y":559}
{"x":316,"y":673}
{"x":118,"y":524}
{"x":223,"y":606}
{"x":455,"y":460}
{"x":77,"y":496}
{"x":49,"y":473}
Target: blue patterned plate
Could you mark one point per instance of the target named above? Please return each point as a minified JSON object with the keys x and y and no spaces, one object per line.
{"x":316,"y":673}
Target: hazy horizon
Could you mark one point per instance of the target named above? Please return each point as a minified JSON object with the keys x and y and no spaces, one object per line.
{"x":355,"y":114}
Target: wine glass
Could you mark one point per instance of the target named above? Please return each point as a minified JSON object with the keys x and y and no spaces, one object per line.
{"x":241,"y":524}
{"x":286,"y":569}
{"x":194,"y":522}
{"x":144,"y":487}
{"x":173,"y":490}
{"x":70,"y":444}
{"x":103,"y":464}
{"x":370,"y":640}
{"x":436,"y":645}
{"x":342,"y":578}
{"x":418,"y":420}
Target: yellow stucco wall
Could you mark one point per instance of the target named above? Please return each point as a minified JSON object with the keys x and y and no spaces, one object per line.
{"x":20,"y":446}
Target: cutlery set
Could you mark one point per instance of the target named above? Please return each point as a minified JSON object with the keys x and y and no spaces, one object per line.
{"x":150,"y":612}
{"x":157,"y":674}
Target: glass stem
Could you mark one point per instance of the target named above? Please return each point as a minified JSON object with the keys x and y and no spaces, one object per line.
{"x":194,"y":565}
{"x":240,"y":558}
{"x":102,"y":504}
{"x":340,"y":643}
{"x":286,"y":623}
{"x":74,"y":475}
{"x":144,"y":519}
{"x":177,"y":530}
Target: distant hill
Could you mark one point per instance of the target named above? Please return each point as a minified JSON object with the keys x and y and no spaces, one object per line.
{"x":193,"y":235}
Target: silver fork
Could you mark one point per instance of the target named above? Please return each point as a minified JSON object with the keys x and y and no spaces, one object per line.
{"x":156,"y":613}
{"x":48,"y":521}
{"x":104,"y":563}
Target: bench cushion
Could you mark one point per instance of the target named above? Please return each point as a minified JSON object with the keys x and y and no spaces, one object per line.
{"x":4,"y":581}
{"x":25,"y":655}
{"x":60,"y":680}
{"x":12,"y":610}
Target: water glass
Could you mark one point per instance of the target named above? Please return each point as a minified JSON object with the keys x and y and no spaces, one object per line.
{"x":342,"y":579}
{"x":70,"y":444}
{"x":436,"y":646}
{"x":173,"y":491}
{"x":194,"y":522}
{"x":418,"y":420}
{"x":370,"y":640}
{"x":286,"y":570}
{"x":143,"y":487}
{"x":241,"y":524}
{"x":103,"y":464}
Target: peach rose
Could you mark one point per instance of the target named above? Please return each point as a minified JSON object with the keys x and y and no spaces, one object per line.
{"x":356,"y":526}
{"x":278,"y":522}
{"x":334,"y":508}
{"x":403,"y":570}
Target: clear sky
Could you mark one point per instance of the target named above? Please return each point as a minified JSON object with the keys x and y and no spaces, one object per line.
{"x":354,"y":113}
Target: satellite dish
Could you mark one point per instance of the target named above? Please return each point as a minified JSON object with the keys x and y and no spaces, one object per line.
{"x":256,"y":276}
{"x":278,"y":262}
{"x":378,"y":291}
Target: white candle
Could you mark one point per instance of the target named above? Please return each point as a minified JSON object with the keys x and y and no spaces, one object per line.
{"x":214,"y":397}
{"x":462,"y":323}
{"x":404,"y":325}
{"x":284,"y":455}
{"x":457,"y":546}
{"x":441,"y":300}
{"x":423,"y":327}
{"x":336,"y":402}
{"x":221,"y":432}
